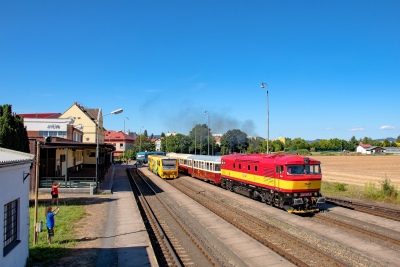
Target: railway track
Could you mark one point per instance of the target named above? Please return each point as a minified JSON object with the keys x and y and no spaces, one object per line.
{"x":380,"y":211}
{"x":297,"y":252}
{"x":363,"y":233}
{"x":166,"y":224}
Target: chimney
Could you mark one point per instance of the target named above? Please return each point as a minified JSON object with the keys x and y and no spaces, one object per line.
{"x":76,"y":104}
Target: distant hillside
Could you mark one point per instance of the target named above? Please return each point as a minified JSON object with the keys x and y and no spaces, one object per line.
{"x":380,"y":140}
{"x":312,"y":141}
{"x":388,"y":138}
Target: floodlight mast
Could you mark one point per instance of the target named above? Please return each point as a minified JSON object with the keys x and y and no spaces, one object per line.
{"x":262,"y":86}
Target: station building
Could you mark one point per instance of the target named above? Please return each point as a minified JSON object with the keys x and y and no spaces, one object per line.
{"x":67,"y":147}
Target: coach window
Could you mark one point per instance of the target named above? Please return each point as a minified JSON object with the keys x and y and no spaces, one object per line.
{"x":217,"y":167}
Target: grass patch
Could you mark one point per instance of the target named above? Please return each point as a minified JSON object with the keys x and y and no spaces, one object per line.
{"x":384,"y":192}
{"x":64,"y":233}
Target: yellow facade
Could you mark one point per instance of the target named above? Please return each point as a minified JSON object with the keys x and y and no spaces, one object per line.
{"x":89,"y":126}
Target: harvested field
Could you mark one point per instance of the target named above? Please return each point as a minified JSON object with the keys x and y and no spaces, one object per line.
{"x":359,"y":170}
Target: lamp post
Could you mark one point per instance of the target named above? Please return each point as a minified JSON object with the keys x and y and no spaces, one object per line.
{"x":208,"y":145}
{"x":124,"y":123}
{"x":262,"y":86}
{"x":194,"y":123}
{"x":140,"y":137}
{"x":118,"y":111}
{"x":166,"y":143}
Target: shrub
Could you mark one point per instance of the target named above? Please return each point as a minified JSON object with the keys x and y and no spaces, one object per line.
{"x":341,"y":187}
{"x":387,"y":188}
{"x":303,"y":152}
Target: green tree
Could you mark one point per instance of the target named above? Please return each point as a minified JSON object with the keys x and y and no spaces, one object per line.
{"x":152,"y":136}
{"x":353,"y":143}
{"x":162,"y":134}
{"x":398,"y":139}
{"x":145,"y":133}
{"x":386,"y":143}
{"x":13,"y":134}
{"x":235,"y":140}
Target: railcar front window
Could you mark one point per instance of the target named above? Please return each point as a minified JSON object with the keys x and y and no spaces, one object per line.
{"x":313,"y":169}
{"x":295,"y":170}
{"x":169,"y":164}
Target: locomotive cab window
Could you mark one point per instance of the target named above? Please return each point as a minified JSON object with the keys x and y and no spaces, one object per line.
{"x":248,"y":167}
{"x":240,"y":166}
{"x":277,"y":169}
{"x":234,"y":165}
{"x":255,"y":168}
{"x":313,"y":169}
{"x":295,"y":170}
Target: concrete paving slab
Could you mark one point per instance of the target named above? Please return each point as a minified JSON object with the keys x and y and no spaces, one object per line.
{"x":131,"y":238}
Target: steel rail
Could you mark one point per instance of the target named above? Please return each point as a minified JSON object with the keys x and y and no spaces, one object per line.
{"x":160,"y":229}
{"x":202,"y":248}
{"x":380,"y":211}
{"x":358,"y":229}
{"x":264,"y":225}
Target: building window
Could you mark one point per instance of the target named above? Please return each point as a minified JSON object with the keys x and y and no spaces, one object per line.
{"x":62,"y":134}
{"x":10,"y":222}
{"x":121,"y":145}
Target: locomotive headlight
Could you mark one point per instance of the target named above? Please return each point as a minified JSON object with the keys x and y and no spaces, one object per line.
{"x":306,"y":160}
{"x":295,"y":195}
{"x":316,"y":194}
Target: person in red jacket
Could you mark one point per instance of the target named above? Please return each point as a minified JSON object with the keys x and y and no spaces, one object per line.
{"x":54,"y":192}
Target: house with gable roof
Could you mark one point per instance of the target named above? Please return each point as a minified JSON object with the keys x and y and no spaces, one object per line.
{"x":368,"y":149}
{"x":87,"y":117}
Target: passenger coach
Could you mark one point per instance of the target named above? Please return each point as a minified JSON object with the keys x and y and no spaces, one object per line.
{"x":165,"y":167}
{"x":207,"y":168}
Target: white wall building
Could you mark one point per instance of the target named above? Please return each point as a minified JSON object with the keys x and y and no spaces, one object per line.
{"x":158,"y":144}
{"x":14,"y":205}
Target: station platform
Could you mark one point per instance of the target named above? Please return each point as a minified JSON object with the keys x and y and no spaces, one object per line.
{"x":125,"y":242}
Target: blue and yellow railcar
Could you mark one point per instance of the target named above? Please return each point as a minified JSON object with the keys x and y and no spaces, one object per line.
{"x":165,"y":167}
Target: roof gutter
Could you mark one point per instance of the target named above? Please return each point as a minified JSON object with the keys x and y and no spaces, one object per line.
{"x":16,"y":163}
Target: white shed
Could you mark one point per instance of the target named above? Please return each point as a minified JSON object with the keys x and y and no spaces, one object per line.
{"x":14,"y":202}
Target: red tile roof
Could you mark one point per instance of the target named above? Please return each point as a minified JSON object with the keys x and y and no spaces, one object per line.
{"x":40,"y":115}
{"x":364,"y":145}
{"x":113,"y":135}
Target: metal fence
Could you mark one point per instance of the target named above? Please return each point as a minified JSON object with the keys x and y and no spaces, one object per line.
{"x":72,"y":182}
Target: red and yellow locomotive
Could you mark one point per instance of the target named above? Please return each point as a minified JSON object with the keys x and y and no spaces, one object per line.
{"x":289,"y":182}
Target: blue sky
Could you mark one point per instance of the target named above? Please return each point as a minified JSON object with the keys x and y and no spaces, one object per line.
{"x":332,"y":66}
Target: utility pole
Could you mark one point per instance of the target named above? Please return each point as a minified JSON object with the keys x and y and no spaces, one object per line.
{"x":35,"y":234}
{"x":262,"y":86}
{"x":140,"y":138}
{"x":194,"y":123}
{"x":166,"y":143}
{"x":208,"y":144}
